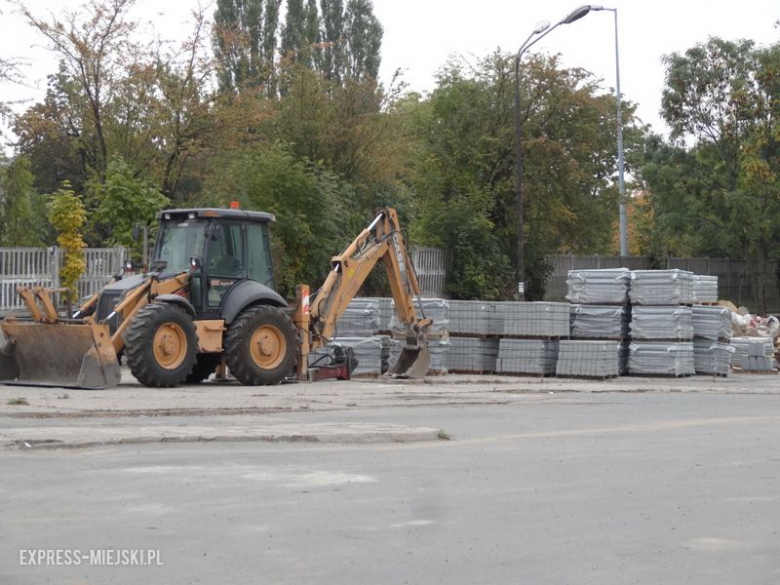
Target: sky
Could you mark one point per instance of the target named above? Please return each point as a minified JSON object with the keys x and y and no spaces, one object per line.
{"x":421,"y":35}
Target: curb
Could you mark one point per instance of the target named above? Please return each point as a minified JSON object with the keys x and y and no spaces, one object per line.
{"x":37,"y":438}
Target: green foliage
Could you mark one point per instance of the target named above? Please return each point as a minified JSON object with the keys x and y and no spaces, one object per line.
{"x":67,"y":216}
{"x":314,"y":215}
{"x":718,"y":196}
{"x":22,"y":222}
{"x":122,"y":203}
{"x":478,"y":269}
{"x":467,"y":158}
{"x":364,"y":40}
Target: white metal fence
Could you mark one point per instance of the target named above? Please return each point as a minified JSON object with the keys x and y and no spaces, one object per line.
{"x":41,"y":267}
{"x":431,"y":267}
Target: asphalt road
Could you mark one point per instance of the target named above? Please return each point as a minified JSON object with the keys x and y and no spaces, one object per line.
{"x":592,"y":488}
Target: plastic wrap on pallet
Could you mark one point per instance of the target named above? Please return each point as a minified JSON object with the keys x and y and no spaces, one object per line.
{"x":661,"y":358}
{"x":600,"y":322}
{"x":437,"y":348}
{"x":360,"y":319}
{"x":436,"y":309}
{"x":527,"y":356}
{"x":712,"y":323}
{"x":588,"y":359}
{"x":469,"y":317}
{"x":538,"y":319}
{"x":753,"y":354}
{"x":705,"y":289}
{"x":661,"y":287}
{"x":598,"y":287}
{"x":468,"y":354}
{"x":711,"y":357}
{"x":386,"y":310}
{"x":665,"y":322}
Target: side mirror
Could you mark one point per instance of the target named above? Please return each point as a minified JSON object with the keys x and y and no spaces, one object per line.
{"x":195,"y":264}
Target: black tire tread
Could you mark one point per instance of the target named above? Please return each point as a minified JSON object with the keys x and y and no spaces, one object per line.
{"x":205,"y":365}
{"x":137,"y":344}
{"x":237,"y":346}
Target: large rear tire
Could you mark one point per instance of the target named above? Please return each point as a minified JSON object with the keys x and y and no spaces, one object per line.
{"x":161,"y":345}
{"x":260,"y":346}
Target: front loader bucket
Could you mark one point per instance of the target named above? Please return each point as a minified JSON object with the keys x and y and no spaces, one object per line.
{"x":60,"y":355}
{"x":413,"y":362}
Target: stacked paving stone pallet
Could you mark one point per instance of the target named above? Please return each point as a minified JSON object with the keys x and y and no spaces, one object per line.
{"x":471,"y":351}
{"x":711,"y":336}
{"x":600,"y":318}
{"x":661,"y":323}
{"x":753,"y":354}
{"x":530,"y":336}
{"x":705,"y":288}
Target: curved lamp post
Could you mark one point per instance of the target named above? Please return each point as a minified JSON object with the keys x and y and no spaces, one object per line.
{"x":542,"y":30}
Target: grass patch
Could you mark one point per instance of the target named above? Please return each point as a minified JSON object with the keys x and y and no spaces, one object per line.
{"x":17,"y":402}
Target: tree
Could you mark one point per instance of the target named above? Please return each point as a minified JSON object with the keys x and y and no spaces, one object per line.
{"x":363,"y":39}
{"x":123,"y":203}
{"x":67,"y":215}
{"x":719,"y":195}
{"x":91,"y":46}
{"x":244,"y":39}
{"x":467,"y":162}
{"x":334,"y":58}
{"x":21,"y":221}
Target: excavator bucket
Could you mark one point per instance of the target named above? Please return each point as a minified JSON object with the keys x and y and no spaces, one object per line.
{"x":60,"y":355}
{"x":413,"y":362}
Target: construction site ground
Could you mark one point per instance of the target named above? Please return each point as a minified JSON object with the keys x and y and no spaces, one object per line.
{"x":455,"y":479}
{"x":38,"y":417}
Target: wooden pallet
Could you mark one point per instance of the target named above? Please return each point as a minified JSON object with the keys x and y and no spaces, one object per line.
{"x":594,"y":378}
{"x":524,"y":375}
{"x":738,"y":370}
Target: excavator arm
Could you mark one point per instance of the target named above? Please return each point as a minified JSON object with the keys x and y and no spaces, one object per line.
{"x":381,"y":241}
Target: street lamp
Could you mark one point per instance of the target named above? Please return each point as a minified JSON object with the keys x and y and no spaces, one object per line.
{"x":542,"y":30}
{"x":621,"y":158}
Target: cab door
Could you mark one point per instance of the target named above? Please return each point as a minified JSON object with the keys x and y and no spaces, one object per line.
{"x":226,"y":261}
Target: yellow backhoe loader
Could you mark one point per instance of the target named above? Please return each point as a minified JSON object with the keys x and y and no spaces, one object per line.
{"x":208,"y":305}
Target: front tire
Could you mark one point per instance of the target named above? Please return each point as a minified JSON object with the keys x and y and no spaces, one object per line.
{"x":260,"y":346}
{"x":161,"y":345}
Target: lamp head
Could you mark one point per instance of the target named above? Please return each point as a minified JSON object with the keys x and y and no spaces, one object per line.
{"x":541,"y":26}
{"x":576,"y":14}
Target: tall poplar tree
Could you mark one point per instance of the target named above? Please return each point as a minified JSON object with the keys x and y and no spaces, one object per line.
{"x":364,"y":40}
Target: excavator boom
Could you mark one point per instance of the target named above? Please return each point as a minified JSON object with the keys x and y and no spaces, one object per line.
{"x":382,"y":241}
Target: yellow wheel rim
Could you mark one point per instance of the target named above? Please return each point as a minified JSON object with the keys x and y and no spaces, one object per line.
{"x":170,"y":346}
{"x":268,"y":347}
